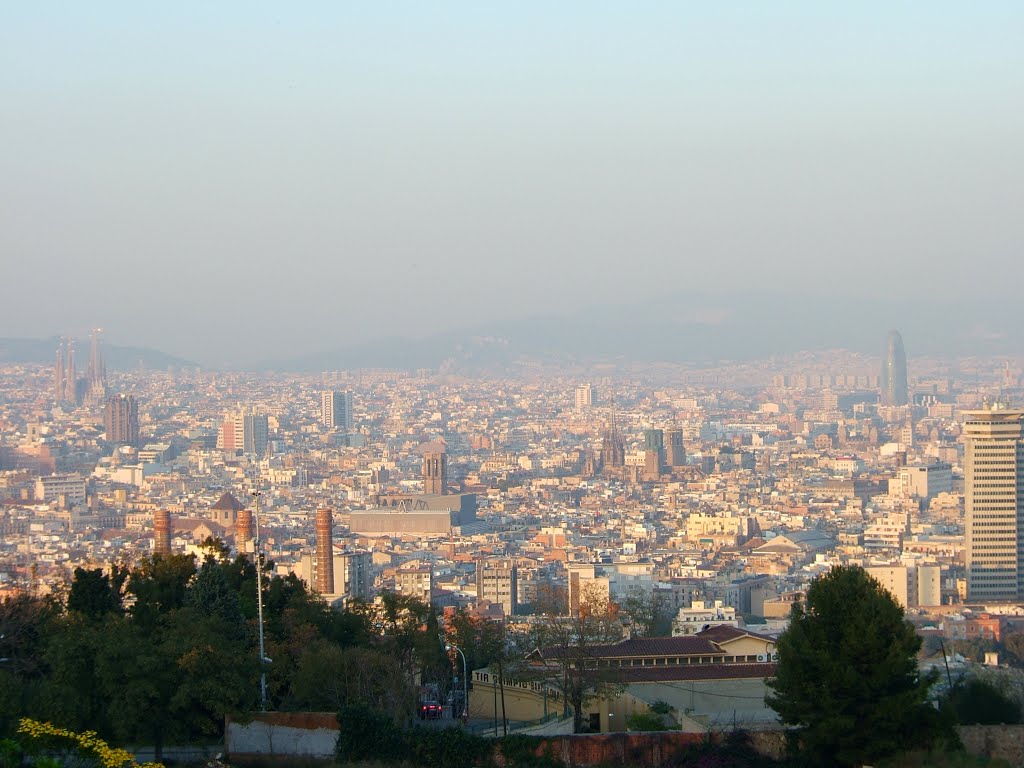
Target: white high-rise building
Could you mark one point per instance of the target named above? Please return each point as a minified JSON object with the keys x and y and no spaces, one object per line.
{"x":245,"y":430}
{"x":584,"y":397}
{"x":994,"y":503}
{"x":929,"y":585}
{"x":336,"y":409}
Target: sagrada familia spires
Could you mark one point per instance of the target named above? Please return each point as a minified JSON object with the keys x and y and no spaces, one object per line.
{"x":66,"y":385}
{"x":65,"y":380}
{"x":97,"y":372}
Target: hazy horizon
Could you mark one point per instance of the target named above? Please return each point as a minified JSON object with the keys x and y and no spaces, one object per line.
{"x":243,"y":182}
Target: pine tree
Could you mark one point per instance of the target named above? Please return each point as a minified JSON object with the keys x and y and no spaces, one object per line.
{"x":847,"y":674}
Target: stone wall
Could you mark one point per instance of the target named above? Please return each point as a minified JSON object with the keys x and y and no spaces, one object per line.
{"x":315,"y":734}
{"x":1001,"y":741}
{"x":633,"y":749}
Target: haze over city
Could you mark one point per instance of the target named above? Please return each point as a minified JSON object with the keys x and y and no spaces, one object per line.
{"x":238,"y":185}
{"x":451,"y":385}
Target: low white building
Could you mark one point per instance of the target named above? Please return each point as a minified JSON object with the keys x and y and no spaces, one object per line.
{"x":71,"y":488}
{"x":702,"y":615}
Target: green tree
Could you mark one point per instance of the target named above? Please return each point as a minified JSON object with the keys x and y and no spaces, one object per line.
{"x":217,"y":671}
{"x":94,"y":593}
{"x":158,"y":585}
{"x":136,"y":680}
{"x":1013,"y":644}
{"x":184,"y":656}
{"x":70,"y":693}
{"x":330,"y":678}
{"x":646,"y":721}
{"x":645,"y":615}
{"x":847,"y":674}
{"x":403,"y":623}
{"x":480,"y":639}
{"x":25,"y":625}
{"x":211,"y":594}
{"x":983,"y":702}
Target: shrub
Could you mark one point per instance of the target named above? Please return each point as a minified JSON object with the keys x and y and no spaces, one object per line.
{"x":366,"y":734}
{"x":85,"y":746}
{"x":646,"y":721}
{"x":520,"y":751}
{"x":735,"y":751}
{"x":981,"y":702}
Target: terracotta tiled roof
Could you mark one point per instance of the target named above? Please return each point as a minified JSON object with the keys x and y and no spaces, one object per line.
{"x":227,"y":501}
{"x":659,"y":646}
{"x":434,"y":446}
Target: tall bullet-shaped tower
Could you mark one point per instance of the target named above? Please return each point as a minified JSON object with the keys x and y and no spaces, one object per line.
{"x":324,"y":552}
{"x":894,"y":371}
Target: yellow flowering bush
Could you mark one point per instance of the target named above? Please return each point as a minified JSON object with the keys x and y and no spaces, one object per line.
{"x":86,"y":743}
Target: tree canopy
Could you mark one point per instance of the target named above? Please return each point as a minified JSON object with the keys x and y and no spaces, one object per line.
{"x":847,"y":673}
{"x":564,"y":646}
{"x":161,"y":652}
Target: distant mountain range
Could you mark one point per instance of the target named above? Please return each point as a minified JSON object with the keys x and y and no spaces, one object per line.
{"x":116,"y":358}
{"x":686,"y":328}
{"x":700,"y":330}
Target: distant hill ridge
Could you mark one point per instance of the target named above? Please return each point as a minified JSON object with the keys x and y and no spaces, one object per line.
{"x":695,"y":329}
{"x":43,"y":351}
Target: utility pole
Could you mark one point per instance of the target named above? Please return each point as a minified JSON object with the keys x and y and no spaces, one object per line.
{"x":465,"y":684}
{"x":259,"y":600}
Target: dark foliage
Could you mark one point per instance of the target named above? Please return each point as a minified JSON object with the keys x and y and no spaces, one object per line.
{"x":848,"y":677}
{"x":735,"y":751}
{"x":979,"y":702}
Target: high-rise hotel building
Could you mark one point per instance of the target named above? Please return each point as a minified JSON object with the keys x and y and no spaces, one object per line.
{"x":584,"y":397}
{"x":245,"y":431}
{"x":121,"y":419}
{"x":336,"y":410}
{"x":994,"y":503}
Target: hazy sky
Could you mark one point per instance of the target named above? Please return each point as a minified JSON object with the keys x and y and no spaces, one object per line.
{"x":230,"y":181}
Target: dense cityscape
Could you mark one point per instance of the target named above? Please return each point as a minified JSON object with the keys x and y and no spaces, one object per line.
{"x":511,"y":385}
{"x":715,"y":495}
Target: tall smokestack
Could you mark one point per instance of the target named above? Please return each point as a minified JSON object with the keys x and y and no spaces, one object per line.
{"x":162,"y":529}
{"x":324,"y":552}
{"x":243,"y":530}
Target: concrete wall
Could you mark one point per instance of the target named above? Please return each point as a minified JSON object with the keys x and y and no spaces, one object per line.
{"x":291,"y":734}
{"x":718,"y":704}
{"x":560,"y":727}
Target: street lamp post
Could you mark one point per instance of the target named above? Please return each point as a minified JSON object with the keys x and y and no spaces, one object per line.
{"x":259,"y":602}
{"x":465,"y":683}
